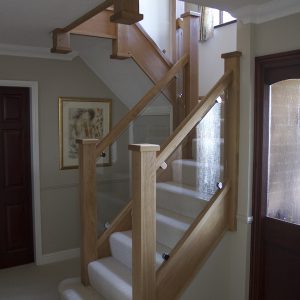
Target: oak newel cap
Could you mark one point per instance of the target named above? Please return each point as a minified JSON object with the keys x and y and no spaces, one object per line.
{"x":144,"y":147}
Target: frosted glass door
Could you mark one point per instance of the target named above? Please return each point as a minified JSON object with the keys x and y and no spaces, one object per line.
{"x":284,"y":152}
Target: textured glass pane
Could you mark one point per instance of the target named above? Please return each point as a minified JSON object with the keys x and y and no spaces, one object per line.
{"x":284,"y":152}
{"x":194,"y":169}
{"x":208,"y":149}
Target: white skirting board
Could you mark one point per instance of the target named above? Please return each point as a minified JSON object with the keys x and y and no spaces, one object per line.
{"x":58,"y":256}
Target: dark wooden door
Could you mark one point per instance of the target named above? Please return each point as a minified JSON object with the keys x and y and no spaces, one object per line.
{"x":275,"y":252}
{"x":16,"y":238}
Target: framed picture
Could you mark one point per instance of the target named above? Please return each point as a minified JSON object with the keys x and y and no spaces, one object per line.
{"x":82,"y":118}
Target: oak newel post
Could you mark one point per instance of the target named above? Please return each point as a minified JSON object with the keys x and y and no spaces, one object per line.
{"x":190,"y":46}
{"x":88,"y":206}
{"x":144,"y":221}
{"x":232,"y":125}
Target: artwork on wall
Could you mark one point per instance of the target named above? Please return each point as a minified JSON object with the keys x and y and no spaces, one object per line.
{"x":82,"y":118}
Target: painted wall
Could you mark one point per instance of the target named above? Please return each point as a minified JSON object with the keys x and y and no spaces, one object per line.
{"x":211,"y":65}
{"x":226,"y":273}
{"x":156,"y":21}
{"x":124,"y":77}
{"x":277,"y":36}
{"x":59,"y":188}
{"x":252,"y":40}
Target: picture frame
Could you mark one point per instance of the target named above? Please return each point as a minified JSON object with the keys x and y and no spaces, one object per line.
{"x":82,"y":118}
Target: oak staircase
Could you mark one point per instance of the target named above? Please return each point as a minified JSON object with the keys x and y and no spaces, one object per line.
{"x":176,"y":217}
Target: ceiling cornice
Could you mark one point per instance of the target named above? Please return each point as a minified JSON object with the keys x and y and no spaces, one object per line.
{"x":254,"y":13}
{"x":266,"y":12}
{"x":35,"y":52}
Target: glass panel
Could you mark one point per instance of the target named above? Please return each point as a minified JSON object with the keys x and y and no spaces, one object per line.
{"x":196,"y":166}
{"x":153,"y":125}
{"x":113,"y":183}
{"x":284,"y":152}
{"x":208,"y":149}
{"x":190,"y":179}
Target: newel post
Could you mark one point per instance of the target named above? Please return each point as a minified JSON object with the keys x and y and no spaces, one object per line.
{"x":232,"y":126}
{"x":190,"y":46}
{"x":61,"y":41}
{"x":88,"y":206}
{"x":126,"y":12}
{"x":144,"y":221}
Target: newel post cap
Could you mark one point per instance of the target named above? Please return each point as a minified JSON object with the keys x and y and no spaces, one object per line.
{"x":144,"y":147}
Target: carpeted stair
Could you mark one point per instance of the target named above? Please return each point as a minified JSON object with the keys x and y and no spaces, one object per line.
{"x":179,"y":201}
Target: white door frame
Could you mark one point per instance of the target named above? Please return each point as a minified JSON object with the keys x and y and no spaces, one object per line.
{"x":35,"y":162}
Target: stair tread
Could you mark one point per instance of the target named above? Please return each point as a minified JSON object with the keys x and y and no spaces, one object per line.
{"x":176,"y":220}
{"x":111,"y":278}
{"x":183,"y":189}
{"x":121,"y":248}
{"x":73,"y":289}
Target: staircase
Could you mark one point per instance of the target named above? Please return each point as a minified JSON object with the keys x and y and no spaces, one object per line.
{"x":191,"y":216}
{"x":179,"y":202}
{"x":182,"y":202}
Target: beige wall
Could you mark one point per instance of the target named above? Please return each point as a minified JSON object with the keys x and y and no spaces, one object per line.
{"x":277,"y":36}
{"x":211,"y":65}
{"x":252,"y":40}
{"x":226,"y":273}
{"x":59,"y":188}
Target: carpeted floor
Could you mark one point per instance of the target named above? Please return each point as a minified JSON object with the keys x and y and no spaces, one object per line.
{"x":30,"y":282}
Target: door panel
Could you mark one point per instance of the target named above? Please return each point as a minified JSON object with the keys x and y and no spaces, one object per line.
{"x":13,"y":158}
{"x":282,"y":260}
{"x":275,"y":247}
{"x":12,"y":107}
{"x":16,"y":238}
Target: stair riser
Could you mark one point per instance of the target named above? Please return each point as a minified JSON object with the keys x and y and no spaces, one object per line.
{"x":168,"y":235}
{"x":121,"y":250}
{"x":107,"y":283}
{"x":198,"y":176}
{"x":178,"y":203}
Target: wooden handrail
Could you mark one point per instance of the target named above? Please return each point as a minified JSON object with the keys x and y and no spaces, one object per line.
{"x":154,"y":45}
{"x":135,"y":111}
{"x":196,"y":115}
{"x":197,"y":243}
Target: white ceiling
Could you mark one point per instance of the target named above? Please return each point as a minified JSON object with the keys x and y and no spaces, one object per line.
{"x":29,"y":23}
{"x":228,"y":5}
{"x":254,"y":11}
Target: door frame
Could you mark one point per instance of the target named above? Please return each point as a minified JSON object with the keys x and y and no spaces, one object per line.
{"x":263,"y":65}
{"x":35,"y":162}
